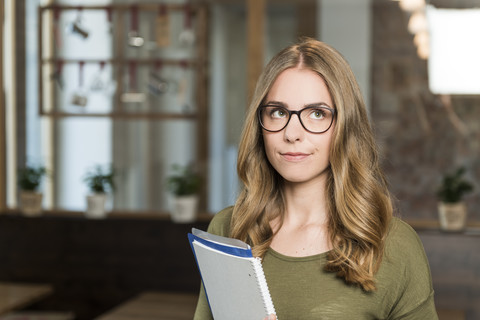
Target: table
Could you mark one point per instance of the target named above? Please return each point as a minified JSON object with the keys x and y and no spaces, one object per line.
{"x":17,"y":295}
{"x":155,"y":305}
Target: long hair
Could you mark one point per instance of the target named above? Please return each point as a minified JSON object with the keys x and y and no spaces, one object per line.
{"x":358,"y":201}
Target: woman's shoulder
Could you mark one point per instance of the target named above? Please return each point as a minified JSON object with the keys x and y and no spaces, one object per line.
{"x":401,"y":234}
{"x":403,"y":243}
{"x":405,"y":274}
{"x":220,"y":224}
{"x":404,"y":262}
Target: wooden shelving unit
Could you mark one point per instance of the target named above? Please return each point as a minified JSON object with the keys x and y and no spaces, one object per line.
{"x":120,"y":60}
{"x":121,"y":19}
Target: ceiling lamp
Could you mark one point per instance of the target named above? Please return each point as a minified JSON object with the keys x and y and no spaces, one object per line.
{"x":417,"y":23}
{"x":421,"y":38}
{"x":423,"y":51}
{"x":412,"y":5}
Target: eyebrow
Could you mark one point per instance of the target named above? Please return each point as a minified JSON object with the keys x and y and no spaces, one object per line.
{"x":284,"y":105}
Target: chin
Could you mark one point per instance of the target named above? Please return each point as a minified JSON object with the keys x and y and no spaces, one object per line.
{"x":303,"y":177}
{"x":296,"y":178}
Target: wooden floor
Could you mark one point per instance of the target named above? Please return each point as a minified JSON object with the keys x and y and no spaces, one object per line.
{"x":155,"y":306}
{"x":17,"y":295}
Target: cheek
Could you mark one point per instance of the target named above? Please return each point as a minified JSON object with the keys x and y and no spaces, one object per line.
{"x":322,"y":147}
{"x":269,"y":145}
{"x":267,"y":141}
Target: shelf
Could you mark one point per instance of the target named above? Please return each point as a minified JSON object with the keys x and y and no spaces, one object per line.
{"x":124,"y":115}
{"x":185,"y":63}
{"x":140,"y":6}
{"x":127,"y":70}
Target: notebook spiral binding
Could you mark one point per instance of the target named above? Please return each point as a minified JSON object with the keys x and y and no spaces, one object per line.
{"x":262,"y":283}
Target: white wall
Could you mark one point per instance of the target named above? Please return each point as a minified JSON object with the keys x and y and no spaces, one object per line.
{"x":217,"y":116}
{"x":227,"y":102}
{"x":346,"y":25}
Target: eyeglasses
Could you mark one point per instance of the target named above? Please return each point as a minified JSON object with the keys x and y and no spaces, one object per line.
{"x":314,"y":119}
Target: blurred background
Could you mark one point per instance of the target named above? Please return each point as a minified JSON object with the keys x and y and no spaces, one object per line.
{"x":116,"y":114}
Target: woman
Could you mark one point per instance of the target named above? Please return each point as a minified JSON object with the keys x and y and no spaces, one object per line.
{"x":315,"y":205}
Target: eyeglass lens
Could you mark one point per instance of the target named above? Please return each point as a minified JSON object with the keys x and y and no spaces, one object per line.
{"x":314,"y":119}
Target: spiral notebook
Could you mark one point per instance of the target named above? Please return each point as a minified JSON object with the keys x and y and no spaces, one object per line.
{"x":233,"y":279}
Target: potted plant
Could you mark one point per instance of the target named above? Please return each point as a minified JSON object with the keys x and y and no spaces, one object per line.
{"x":29,"y":180}
{"x":184,"y":184}
{"x":99,"y":182}
{"x":451,"y":208}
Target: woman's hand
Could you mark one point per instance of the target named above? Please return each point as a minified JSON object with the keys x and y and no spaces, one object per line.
{"x":271,"y":317}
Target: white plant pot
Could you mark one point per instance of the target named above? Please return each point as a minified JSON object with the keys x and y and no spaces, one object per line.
{"x":453,"y":216}
{"x":185,"y":209}
{"x":96,"y":206}
{"x":31,"y":203}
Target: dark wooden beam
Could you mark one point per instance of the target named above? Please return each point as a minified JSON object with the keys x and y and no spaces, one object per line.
{"x":3,"y":129}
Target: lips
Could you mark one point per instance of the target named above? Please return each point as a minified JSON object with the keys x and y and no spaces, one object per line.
{"x":294,"y":156}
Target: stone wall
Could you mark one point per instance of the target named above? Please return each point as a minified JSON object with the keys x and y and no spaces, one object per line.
{"x":420,"y":140}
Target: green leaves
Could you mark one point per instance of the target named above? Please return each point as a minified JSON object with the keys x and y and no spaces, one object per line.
{"x":100,"y":180}
{"x":30,"y":177}
{"x":454,"y":187}
{"x":184,"y":181}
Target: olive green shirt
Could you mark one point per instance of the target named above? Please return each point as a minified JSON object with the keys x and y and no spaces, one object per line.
{"x":301,"y":289}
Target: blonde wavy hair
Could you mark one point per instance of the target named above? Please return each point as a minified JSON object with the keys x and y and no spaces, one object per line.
{"x":360,"y":206}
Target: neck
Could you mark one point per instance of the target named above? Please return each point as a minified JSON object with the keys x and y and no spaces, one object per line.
{"x":304,"y":231}
{"x":306,"y":203}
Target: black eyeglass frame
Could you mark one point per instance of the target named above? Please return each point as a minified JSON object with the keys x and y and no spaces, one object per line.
{"x":297,"y":112}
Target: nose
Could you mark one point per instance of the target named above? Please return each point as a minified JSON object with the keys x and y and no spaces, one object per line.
{"x":294,"y":130}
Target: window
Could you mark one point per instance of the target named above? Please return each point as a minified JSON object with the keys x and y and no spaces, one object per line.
{"x":454,"y":66}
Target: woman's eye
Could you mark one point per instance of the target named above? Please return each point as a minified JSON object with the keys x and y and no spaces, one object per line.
{"x":317,"y":114}
{"x":278,"y":113}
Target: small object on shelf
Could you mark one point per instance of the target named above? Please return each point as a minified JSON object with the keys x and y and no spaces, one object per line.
{"x":96,"y":206}
{"x":102,"y":81}
{"x":453,"y":216}
{"x":132,"y":96}
{"x":134,"y":38}
{"x":162,"y":27}
{"x":158,"y":85}
{"x":79,"y":97}
{"x":97,"y":83}
{"x":99,"y":181}
{"x":29,"y":179}
{"x":452,"y":210}
{"x":187,"y":36}
{"x":77,"y":27}
{"x":109,"y":12}
{"x":57,"y":74}
{"x":184,"y":184}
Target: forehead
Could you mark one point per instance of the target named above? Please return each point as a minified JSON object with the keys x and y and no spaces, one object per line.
{"x":297,"y":87}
